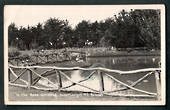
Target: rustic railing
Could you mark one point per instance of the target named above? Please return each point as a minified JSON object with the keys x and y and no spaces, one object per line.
{"x":33,"y":77}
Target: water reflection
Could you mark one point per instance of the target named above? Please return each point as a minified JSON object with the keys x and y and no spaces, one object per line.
{"x":127,"y":63}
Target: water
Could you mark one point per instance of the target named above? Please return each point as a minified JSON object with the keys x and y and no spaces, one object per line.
{"x":119,"y":63}
{"x":126,"y":62}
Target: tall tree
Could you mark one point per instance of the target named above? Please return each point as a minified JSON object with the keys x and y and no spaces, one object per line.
{"x":148,"y":22}
{"x":12,"y":35}
{"x":82,"y":32}
{"x":53,"y":30}
{"x":37,"y":32}
{"x":126,"y":30}
{"x":26,"y":35}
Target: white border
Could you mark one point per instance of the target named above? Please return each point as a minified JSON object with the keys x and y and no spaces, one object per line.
{"x":163,"y":76}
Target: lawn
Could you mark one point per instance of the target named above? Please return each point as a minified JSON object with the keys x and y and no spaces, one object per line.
{"x":23,"y":94}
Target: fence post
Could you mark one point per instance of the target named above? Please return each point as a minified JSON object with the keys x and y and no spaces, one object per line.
{"x":30,"y":80}
{"x":158,"y":84}
{"x":59,"y":79}
{"x":9,"y":75}
{"x":101,"y":81}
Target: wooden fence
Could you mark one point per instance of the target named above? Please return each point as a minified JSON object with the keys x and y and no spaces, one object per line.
{"x":33,"y":77}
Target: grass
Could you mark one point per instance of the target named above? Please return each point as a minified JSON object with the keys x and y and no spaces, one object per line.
{"x":23,"y":94}
{"x":13,"y":52}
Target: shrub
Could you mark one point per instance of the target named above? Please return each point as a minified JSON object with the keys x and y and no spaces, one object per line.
{"x":13,"y":52}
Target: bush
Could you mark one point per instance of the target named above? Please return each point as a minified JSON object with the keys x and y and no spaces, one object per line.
{"x":13,"y":52}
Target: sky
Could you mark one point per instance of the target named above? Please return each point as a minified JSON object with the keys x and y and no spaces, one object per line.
{"x":24,"y":15}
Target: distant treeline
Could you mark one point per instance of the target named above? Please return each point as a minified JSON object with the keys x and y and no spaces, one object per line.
{"x":136,"y":28}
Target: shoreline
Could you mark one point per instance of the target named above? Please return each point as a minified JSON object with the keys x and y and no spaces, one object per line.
{"x":123,"y":55}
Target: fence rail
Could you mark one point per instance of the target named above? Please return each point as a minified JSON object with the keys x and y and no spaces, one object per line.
{"x":33,"y":77}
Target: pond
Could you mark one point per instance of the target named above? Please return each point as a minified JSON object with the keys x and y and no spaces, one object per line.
{"x":126,"y":62}
{"x":118,"y":63}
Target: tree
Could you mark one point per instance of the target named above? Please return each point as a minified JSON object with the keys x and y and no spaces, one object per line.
{"x":137,"y":28}
{"x":82,"y":31}
{"x":95,"y":34}
{"x":26,"y":36}
{"x":126,"y":30}
{"x":67,"y":36}
{"x":37,"y":33}
{"x":12,"y":35}
{"x":53,"y":30}
{"x":109,"y":34}
{"x":148,"y":22}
